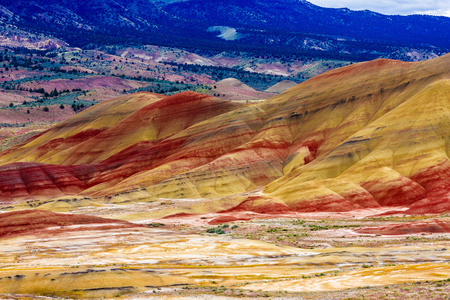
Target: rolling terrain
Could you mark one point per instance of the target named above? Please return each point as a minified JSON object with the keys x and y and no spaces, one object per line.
{"x":259,"y":26}
{"x":41,"y":88}
{"x":165,"y":150}
{"x":323,"y":145}
{"x":58,"y":47}
{"x":336,"y":187}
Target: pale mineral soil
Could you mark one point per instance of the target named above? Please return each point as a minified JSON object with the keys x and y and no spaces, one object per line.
{"x":418,"y":290}
{"x":301,"y":256}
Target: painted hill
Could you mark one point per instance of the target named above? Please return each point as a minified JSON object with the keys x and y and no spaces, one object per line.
{"x":233,"y":82}
{"x":36,"y":222}
{"x":408,"y":228}
{"x":233,"y":89}
{"x":364,"y":136}
{"x":281,"y":86}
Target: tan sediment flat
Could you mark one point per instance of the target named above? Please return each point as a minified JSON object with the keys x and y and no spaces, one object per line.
{"x":94,"y":263}
{"x":359,"y":278}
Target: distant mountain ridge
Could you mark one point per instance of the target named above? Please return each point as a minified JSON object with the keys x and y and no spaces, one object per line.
{"x":302,"y":16}
{"x":265,"y":23}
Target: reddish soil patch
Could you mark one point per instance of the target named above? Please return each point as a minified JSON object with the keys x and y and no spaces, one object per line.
{"x":360,"y":68}
{"x":433,"y":226}
{"x":19,"y":115}
{"x":178,"y":215}
{"x":229,"y":218}
{"x":88,"y":83}
{"x":27,"y":222}
{"x":26,"y":181}
{"x":268,"y":207}
{"x":221,"y":218}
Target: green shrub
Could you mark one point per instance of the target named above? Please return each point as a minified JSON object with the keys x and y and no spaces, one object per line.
{"x":155,"y":225}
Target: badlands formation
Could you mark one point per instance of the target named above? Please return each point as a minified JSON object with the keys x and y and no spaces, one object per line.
{"x":281,"y":86}
{"x":366,"y":141}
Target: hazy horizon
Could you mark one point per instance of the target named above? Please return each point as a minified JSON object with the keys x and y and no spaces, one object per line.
{"x":392,"y":7}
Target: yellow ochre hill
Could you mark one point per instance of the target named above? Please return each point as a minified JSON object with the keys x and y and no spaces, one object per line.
{"x":367,"y":135}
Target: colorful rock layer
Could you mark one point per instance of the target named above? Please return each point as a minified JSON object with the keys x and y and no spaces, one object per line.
{"x":367,"y":135}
